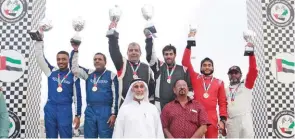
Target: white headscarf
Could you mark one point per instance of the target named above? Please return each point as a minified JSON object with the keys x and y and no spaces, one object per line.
{"x":130,"y":96}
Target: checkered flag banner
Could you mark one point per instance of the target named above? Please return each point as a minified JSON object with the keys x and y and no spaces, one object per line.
{"x":273,"y":104}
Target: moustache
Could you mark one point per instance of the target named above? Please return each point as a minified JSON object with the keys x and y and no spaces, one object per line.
{"x":181,"y":89}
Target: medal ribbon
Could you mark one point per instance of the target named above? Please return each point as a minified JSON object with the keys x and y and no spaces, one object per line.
{"x":58,"y":78}
{"x":233,"y":93}
{"x":134,"y":71}
{"x":206,"y":88}
{"x":94,"y":78}
{"x":172,"y":70}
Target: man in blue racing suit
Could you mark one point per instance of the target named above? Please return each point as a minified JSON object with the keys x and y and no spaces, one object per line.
{"x":63,"y":89}
{"x":101,"y":95}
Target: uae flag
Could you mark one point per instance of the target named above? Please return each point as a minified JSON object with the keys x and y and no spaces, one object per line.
{"x":285,"y":66}
{"x":10,"y":64}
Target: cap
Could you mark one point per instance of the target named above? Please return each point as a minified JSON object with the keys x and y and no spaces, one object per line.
{"x":234,"y":68}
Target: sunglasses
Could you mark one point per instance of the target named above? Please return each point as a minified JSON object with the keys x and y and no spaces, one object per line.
{"x":234,"y":72}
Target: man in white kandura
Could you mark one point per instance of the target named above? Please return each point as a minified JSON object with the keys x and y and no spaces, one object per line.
{"x":137,"y":117}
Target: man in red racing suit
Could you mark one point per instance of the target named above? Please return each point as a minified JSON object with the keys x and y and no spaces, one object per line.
{"x":215,"y":92}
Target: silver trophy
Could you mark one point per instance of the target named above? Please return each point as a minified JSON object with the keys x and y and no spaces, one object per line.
{"x":148,"y":13}
{"x":191,"y":36}
{"x":43,"y":26}
{"x":78,"y":25}
{"x":249,"y":36}
{"x":114,"y":14}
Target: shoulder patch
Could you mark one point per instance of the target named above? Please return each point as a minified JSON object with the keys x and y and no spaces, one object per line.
{"x":219,"y":81}
{"x":113,"y":75}
{"x":184,"y":68}
{"x":161,"y":63}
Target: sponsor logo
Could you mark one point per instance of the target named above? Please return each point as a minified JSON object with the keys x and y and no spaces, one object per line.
{"x":280,"y":13}
{"x":12,"y":11}
{"x":283,"y":124}
{"x":14,"y":125}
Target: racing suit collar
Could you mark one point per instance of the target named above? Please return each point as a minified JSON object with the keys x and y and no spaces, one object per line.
{"x":64,"y":70}
{"x":171,"y":65}
{"x":100,"y":71}
{"x":207,"y":77}
{"x":134,"y":63}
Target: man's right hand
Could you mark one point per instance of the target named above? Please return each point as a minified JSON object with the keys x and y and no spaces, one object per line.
{"x":147,"y":33}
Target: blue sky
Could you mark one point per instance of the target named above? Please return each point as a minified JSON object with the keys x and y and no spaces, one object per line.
{"x":220,"y":28}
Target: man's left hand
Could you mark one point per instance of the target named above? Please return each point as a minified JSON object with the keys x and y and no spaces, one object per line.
{"x":221,"y":125}
{"x":77,"y":122}
{"x":112,"y":120}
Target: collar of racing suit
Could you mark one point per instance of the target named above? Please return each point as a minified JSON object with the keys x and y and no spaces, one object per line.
{"x":207,"y":77}
{"x":66,"y":70}
{"x":100,"y":71}
{"x":134,"y":63}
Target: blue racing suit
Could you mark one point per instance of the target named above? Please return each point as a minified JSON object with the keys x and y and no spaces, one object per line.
{"x":58,"y":109}
{"x":101,"y":103}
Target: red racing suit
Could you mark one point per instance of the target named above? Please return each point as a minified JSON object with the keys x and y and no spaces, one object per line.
{"x":216,"y":95}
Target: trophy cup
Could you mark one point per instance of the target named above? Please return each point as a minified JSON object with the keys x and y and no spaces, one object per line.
{"x":249,"y":38}
{"x":78,"y":25}
{"x":148,"y":13}
{"x":44,"y":26}
{"x":114,"y":14}
{"x":191,"y":36}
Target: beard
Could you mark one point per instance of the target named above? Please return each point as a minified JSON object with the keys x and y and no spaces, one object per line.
{"x":207,"y":74}
{"x":139,"y":97}
{"x":182,"y":92}
{"x":234,"y":81}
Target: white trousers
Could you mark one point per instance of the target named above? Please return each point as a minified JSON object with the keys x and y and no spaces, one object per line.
{"x":240,"y":126}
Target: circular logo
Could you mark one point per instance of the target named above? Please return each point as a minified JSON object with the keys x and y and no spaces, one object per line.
{"x":283,"y":67}
{"x":12,"y":11}
{"x":280,"y":13}
{"x":12,"y":65}
{"x":14,"y":126}
{"x":283,"y":124}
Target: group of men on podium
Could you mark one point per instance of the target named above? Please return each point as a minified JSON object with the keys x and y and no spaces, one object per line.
{"x":156,"y":100}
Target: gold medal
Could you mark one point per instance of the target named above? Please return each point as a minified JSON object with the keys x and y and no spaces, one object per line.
{"x":206,"y":95}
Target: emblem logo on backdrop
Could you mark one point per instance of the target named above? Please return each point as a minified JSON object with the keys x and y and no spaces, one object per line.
{"x":12,"y":11}
{"x":14,"y":126}
{"x":283,"y":124}
{"x":280,"y":13}
{"x":12,"y":65}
